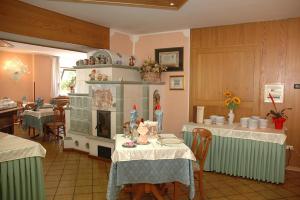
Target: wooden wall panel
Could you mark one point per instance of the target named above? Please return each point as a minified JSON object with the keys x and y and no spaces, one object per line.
{"x":243,"y":58}
{"x":25,"y":19}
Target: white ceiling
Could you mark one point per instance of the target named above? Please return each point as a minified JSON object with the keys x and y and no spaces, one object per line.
{"x":195,"y":13}
{"x":35,"y":49}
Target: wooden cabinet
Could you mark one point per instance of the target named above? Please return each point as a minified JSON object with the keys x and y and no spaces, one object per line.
{"x":7,"y":120}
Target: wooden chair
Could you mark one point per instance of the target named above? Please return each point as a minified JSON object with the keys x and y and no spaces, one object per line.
{"x":57,"y":127}
{"x":29,"y":106}
{"x":201,"y":141}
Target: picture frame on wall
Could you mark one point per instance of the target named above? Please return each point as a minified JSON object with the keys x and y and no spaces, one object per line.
{"x":176,"y":82}
{"x":170,"y":57}
{"x":277,"y":92}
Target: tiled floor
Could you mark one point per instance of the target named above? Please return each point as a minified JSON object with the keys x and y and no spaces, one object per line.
{"x":72,"y":175}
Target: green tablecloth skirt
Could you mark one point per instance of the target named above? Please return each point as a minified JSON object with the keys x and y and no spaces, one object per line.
{"x":22,"y":179}
{"x":263,"y":161}
{"x":34,"y":122}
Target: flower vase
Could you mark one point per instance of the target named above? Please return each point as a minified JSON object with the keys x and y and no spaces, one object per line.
{"x":279,"y":122}
{"x":230,"y":116}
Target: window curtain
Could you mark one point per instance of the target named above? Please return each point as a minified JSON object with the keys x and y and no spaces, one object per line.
{"x":55,"y":77}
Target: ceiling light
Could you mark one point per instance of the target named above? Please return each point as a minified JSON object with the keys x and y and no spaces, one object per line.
{"x":172,"y":4}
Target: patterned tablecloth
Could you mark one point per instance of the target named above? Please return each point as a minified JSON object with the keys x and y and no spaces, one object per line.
{"x":152,"y":163}
{"x":21,"y":169}
{"x":255,"y":154}
{"x":37,"y":119}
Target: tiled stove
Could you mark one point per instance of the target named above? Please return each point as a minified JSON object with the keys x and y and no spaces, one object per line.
{"x":98,"y":109}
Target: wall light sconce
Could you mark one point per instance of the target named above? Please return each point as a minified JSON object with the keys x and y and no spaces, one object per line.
{"x":16,"y":68}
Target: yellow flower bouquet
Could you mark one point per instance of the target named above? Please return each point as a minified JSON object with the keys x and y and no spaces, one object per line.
{"x":231,"y":101}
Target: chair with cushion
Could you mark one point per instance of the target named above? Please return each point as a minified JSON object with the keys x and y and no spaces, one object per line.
{"x":57,"y":126}
{"x":201,"y":141}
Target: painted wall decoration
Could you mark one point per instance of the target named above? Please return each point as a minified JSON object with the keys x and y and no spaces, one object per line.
{"x":103,"y":98}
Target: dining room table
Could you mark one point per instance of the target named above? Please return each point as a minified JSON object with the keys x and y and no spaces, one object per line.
{"x":37,"y":118}
{"x":257,"y":154}
{"x":153,"y":163}
{"x":21,"y":169}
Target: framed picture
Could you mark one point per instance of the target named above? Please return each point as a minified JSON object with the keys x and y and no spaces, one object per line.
{"x":277,"y":92}
{"x":171,"y":57}
{"x":176,"y":82}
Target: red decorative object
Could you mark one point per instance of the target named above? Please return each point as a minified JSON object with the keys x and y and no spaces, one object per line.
{"x":157,"y":107}
{"x":279,"y":122}
{"x":134,"y":107}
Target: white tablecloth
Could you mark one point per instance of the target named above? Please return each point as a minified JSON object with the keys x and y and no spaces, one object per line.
{"x":152,"y":151}
{"x":236,"y":131}
{"x":40,"y":113}
{"x":13,"y":147}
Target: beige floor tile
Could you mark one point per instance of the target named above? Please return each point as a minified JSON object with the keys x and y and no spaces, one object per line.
{"x":99,"y":195}
{"x":269,"y":194}
{"x":49,"y":197}
{"x":52,"y":178}
{"x":83,"y":190}
{"x":83,"y":197}
{"x":243,"y":189}
{"x":254,"y":196}
{"x":50,"y":191}
{"x":237,"y":197}
{"x":63,"y":197}
{"x":69,"y":183}
{"x":99,"y":188}
{"x":84,"y":182}
{"x":65,"y":191}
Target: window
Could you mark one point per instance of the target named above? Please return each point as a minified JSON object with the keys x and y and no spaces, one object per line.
{"x":68,"y":79}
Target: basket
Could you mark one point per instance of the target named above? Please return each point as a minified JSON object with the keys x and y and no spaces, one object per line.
{"x":151,"y":76}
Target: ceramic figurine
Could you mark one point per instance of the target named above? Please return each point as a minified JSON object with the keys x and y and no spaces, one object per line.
{"x":92,"y":75}
{"x":97,"y":60}
{"x":159,"y":117}
{"x":132,"y":61}
{"x":99,"y":77}
{"x":86,"y":61}
{"x":133,"y":117}
{"x":104,"y":77}
{"x":91,"y":60}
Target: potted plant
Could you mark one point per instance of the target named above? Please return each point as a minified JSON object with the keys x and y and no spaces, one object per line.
{"x":231,"y":102}
{"x":278,"y":117}
{"x":72,"y":84}
{"x":151,"y":71}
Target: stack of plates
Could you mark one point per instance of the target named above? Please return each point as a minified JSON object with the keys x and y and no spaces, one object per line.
{"x":220,"y":120}
{"x":207,"y":121}
{"x":252,"y":123}
{"x":244,"y":122}
{"x":263,"y":123}
{"x":213,"y":118}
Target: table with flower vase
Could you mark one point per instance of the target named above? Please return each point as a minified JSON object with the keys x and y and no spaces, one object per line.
{"x":37,"y":119}
{"x":21,"y":169}
{"x":153,"y":163}
{"x":257,"y":154}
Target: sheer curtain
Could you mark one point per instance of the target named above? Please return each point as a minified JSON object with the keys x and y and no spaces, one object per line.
{"x":55,"y":77}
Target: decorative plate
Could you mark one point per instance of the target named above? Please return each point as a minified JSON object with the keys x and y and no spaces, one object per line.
{"x":129,"y":145}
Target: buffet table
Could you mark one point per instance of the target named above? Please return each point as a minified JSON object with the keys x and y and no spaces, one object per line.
{"x":37,"y":119}
{"x":152,"y":163}
{"x":21,"y":170}
{"x":255,"y":154}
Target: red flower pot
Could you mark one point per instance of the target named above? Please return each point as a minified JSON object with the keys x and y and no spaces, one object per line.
{"x":279,"y":122}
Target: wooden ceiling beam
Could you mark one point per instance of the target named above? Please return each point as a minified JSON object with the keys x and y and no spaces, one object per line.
{"x":25,"y":19}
